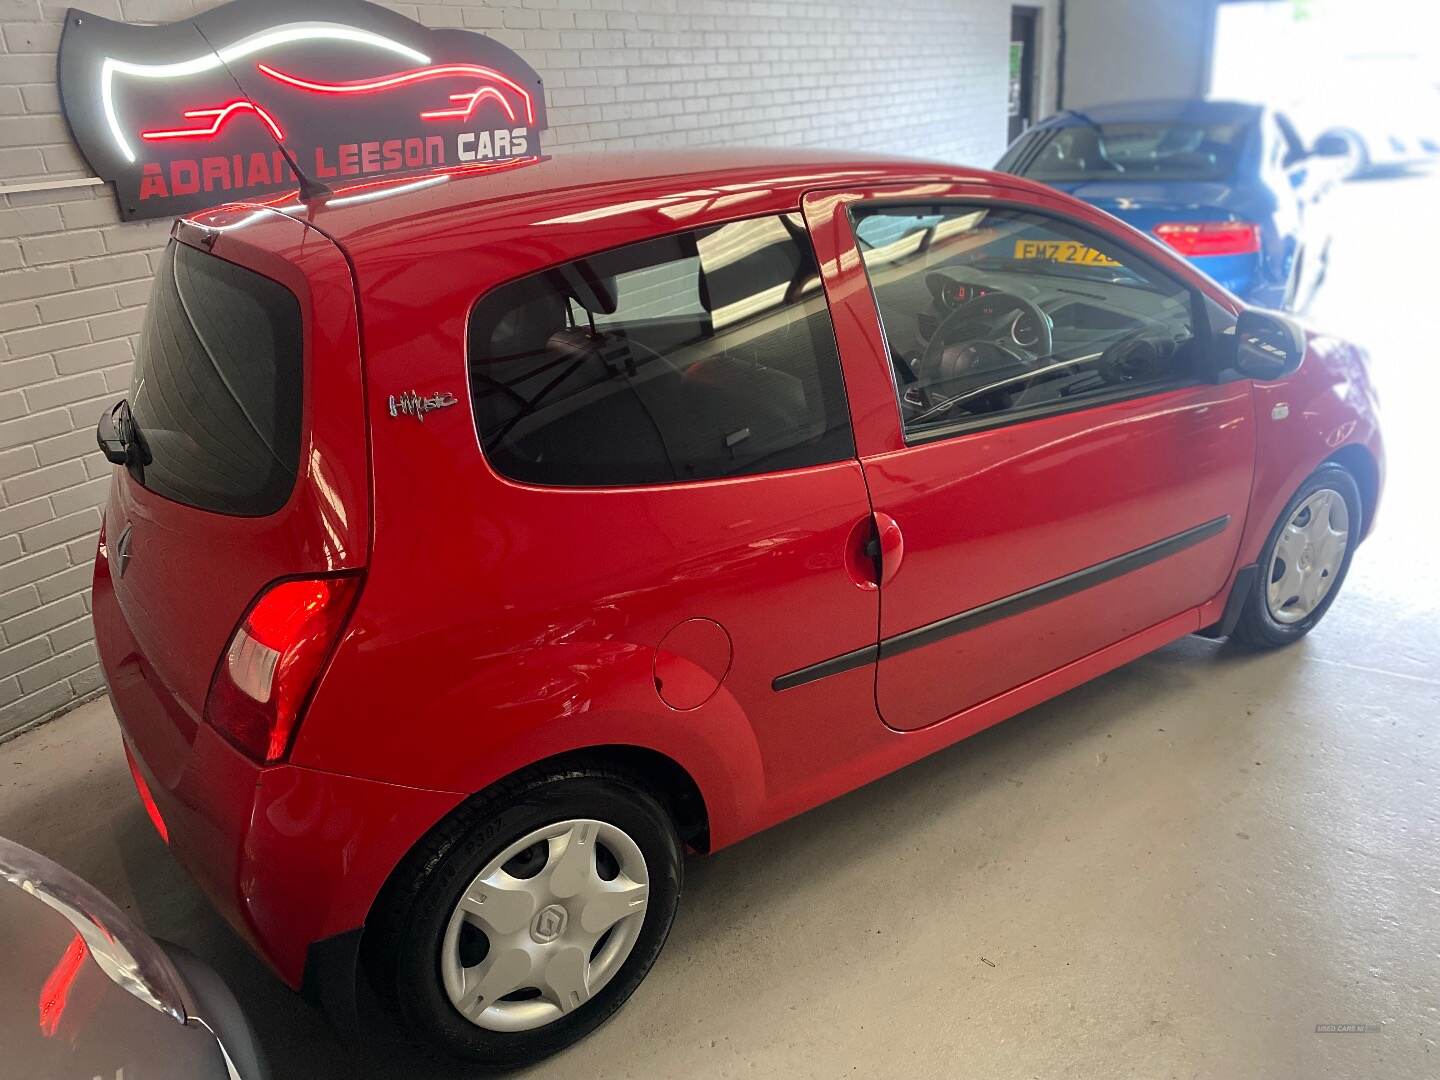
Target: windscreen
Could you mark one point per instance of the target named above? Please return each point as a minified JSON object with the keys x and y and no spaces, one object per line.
{"x":1131,"y":151}
{"x":217,"y":386}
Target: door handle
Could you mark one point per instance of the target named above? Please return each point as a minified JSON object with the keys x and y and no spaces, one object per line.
{"x":874,"y":550}
{"x":889,"y":546}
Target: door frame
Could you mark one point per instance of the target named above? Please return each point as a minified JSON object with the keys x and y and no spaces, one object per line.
{"x":1029,"y":71}
{"x":859,"y":333}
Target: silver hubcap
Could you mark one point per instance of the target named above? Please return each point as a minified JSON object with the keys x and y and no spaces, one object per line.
{"x":545,"y":925}
{"x":1306,"y":558}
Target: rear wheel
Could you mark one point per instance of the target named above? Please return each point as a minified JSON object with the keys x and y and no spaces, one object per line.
{"x":528,"y":917}
{"x":1306,"y":558}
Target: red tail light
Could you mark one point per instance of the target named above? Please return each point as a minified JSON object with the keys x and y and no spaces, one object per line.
{"x":273,"y":659}
{"x":1211,"y":237}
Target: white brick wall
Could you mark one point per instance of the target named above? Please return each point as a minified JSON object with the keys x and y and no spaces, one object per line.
{"x":926,"y":77}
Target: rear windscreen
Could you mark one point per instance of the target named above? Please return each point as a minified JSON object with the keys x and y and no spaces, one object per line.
{"x":1131,"y":151}
{"x":216,"y":390}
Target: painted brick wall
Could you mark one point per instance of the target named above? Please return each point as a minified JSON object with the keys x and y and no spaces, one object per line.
{"x":926,"y":77}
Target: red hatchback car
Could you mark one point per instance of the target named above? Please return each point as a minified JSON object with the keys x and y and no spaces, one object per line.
{"x":483,"y":542}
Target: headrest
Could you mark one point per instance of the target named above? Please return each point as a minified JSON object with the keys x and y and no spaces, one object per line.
{"x":775,"y":256}
{"x":523,"y":329}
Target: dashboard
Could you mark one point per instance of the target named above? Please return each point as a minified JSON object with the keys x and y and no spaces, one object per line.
{"x":950,"y":293}
{"x":1081,"y":313}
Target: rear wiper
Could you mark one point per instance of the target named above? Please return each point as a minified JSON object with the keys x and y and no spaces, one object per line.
{"x":119,"y":437}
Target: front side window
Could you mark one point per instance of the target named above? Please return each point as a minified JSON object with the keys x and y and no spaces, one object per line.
{"x":993,"y":314}
{"x":690,"y":357}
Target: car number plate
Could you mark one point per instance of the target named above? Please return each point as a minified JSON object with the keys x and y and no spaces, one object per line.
{"x":1065,"y":251}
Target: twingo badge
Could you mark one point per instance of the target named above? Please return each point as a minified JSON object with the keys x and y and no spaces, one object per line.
{"x":412,"y":404}
{"x":219,"y":107}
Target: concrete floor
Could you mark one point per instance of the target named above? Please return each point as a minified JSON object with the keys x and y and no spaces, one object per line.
{"x":1178,"y":870}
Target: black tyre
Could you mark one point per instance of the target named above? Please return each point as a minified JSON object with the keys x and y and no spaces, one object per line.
{"x":1304,"y":560}
{"x":528,"y":917}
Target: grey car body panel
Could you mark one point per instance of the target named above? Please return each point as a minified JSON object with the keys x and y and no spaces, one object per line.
{"x":62,"y":1015}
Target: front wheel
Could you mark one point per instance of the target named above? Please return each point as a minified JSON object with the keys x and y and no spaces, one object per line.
{"x":1305,"y":560}
{"x":528,"y":917}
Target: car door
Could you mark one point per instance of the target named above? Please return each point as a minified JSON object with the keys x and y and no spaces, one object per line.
{"x":1058,"y":472}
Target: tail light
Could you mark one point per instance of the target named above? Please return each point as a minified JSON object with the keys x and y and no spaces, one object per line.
{"x":273,"y":659}
{"x":1194,"y":238}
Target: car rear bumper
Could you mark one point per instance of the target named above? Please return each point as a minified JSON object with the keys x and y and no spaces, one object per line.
{"x":289,"y":856}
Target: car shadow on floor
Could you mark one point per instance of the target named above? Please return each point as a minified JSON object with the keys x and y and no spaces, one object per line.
{"x":298,"y":1040}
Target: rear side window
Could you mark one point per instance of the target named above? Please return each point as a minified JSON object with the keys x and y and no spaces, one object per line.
{"x":216,"y":390}
{"x":688,"y":357}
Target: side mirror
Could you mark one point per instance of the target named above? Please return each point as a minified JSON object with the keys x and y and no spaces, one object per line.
{"x":112,"y":444}
{"x":1268,"y":346}
{"x":1331,"y":146}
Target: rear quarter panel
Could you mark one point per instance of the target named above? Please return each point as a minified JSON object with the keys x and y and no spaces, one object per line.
{"x":195,"y":572}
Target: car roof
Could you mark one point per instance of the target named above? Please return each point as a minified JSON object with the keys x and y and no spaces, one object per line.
{"x":370,"y":215}
{"x":1163,"y":110}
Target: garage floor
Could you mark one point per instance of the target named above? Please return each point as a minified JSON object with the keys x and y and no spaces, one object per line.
{"x":1176,"y":871}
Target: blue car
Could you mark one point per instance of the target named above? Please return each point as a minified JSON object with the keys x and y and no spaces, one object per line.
{"x":1229,"y":185}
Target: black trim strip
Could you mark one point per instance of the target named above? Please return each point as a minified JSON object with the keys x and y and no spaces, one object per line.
{"x":1006,"y":606}
{"x":834,"y":666}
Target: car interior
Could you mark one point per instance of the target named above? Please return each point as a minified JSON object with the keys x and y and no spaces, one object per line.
{"x":998,"y":312}
{"x":698,"y":356}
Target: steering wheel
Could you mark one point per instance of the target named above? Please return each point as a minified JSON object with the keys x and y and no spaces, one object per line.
{"x":987,"y":332}
{"x":1138,"y":358}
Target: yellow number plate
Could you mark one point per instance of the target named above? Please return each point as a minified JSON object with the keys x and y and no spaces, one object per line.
{"x":1065,"y":251}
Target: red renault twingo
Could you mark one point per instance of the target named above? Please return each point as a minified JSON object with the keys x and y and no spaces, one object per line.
{"x":481,"y":543}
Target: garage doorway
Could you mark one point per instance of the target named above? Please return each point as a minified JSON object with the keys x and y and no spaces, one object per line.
{"x":1023,"y":24}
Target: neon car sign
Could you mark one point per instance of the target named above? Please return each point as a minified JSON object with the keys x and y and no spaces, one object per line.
{"x":219,"y":107}
{"x":219,"y":116}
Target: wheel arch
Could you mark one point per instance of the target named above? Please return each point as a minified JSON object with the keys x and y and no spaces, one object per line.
{"x":658,"y":773}
{"x":332,"y":964}
{"x":1356,"y":459}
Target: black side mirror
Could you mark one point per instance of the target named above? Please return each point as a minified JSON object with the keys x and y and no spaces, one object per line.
{"x":119,"y":441}
{"x":1268,"y":346}
{"x":111,"y":444}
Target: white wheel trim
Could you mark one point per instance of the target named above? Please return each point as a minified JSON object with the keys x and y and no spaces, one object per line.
{"x":543,"y":929}
{"x":1305,"y":560}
